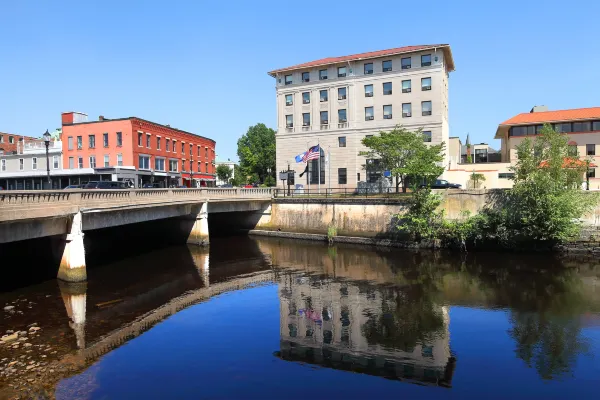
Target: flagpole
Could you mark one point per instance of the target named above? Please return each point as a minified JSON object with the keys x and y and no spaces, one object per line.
{"x":319,"y":144}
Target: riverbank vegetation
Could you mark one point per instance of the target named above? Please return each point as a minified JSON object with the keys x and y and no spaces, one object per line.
{"x":543,"y":208}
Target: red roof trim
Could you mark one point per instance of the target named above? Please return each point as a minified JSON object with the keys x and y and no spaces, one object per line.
{"x":554,"y":116}
{"x":371,"y":54}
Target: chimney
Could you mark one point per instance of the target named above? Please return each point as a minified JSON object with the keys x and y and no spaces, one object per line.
{"x":101,"y":118}
{"x":167,"y":125}
{"x":538,"y":109}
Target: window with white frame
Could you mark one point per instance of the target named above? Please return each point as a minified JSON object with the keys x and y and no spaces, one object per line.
{"x":173,"y":165}
{"x":34,"y":163}
{"x":406,"y":110}
{"x":106,"y":160}
{"x":21,"y":164}
{"x":3,"y":164}
{"x":120,"y":160}
{"x":71,"y":163}
{"x":80,"y":162}
{"x":387,"y":111}
{"x":426,"y":107}
{"x":55,"y":162}
{"x":144,"y":162}
{"x":92,"y":161}
{"x":159,"y":164}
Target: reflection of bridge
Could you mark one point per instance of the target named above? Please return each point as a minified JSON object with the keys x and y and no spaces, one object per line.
{"x":69,"y":213}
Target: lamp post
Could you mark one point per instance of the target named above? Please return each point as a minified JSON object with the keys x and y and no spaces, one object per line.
{"x":47,"y":143}
{"x":192,"y":172}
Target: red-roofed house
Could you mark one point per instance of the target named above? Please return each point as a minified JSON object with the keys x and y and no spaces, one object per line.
{"x":337,"y":101}
{"x":581,"y":124}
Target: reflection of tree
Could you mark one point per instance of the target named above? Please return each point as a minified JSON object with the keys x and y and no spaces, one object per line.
{"x":549,"y":343}
{"x":404,"y":320}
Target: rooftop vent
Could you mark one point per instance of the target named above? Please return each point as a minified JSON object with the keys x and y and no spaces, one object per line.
{"x":539,"y":109}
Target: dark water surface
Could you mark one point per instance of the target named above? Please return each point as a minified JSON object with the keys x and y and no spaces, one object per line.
{"x":268,"y":318}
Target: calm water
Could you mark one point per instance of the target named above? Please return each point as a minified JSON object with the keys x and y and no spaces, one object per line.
{"x":284,"y":319}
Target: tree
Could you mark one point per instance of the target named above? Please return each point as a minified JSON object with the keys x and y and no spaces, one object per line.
{"x":224,"y":173}
{"x":477,"y":178}
{"x":404,"y":154}
{"x":546,"y":201}
{"x":238,"y":178}
{"x":256,"y":150}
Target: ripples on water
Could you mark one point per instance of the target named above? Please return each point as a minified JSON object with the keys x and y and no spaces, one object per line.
{"x":286,"y":319}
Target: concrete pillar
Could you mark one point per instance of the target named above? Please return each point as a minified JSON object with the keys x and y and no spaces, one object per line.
{"x":199,"y":233}
{"x":72,"y":264}
{"x":74,"y":296}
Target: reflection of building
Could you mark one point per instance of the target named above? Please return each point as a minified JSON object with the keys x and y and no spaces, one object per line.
{"x":331,"y":323}
{"x":337,"y":101}
{"x":139,"y":150}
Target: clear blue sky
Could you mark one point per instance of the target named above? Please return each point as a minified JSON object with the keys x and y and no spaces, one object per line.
{"x":202,"y":66}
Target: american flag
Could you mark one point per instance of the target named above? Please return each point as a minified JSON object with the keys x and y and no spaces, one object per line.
{"x":312,"y":154}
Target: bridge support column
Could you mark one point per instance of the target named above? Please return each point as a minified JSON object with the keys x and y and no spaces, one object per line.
{"x":72,"y":264}
{"x":199,"y":233}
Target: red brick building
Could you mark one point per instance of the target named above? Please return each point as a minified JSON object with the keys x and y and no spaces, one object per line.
{"x":138,"y":150}
{"x":11,"y":143}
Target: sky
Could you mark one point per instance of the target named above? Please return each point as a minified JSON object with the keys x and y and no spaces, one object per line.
{"x":201,"y":66}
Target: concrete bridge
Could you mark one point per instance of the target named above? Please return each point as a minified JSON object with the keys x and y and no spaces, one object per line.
{"x":68,"y":214}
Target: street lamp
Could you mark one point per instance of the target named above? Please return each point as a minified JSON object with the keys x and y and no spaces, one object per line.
{"x":47,"y":143}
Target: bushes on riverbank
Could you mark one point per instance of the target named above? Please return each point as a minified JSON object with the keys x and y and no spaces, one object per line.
{"x":543,"y":208}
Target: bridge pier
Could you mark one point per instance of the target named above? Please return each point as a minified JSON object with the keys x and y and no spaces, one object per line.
{"x":72,"y":264}
{"x":199,"y":232}
{"x":74,"y":296}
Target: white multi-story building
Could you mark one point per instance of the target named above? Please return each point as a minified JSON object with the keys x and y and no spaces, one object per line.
{"x":335,"y":102}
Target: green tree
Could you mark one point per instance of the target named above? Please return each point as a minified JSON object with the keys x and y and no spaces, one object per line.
{"x":256,"y":150}
{"x":238,"y":178}
{"x":404,"y":154}
{"x":224,"y":173}
{"x":546,"y":201}
{"x":476,"y":179}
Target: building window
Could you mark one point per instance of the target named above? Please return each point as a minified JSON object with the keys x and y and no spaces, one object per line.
{"x":289,"y":100}
{"x":158,"y":142}
{"x":174,"y":146}
{"x":506,"y":175}
{"x":289,"y":121}
{"x":70,"y":142}
{"x":426,"y":107}
{"x":71,"y":163}
{"x":1,"y":139}
{"x":427,"y":136}
{"x":144,"y":162}
{"x":406,"y":86}
{"x":55,"y":164}
{"x":92,"y":161}
{"x":481,"y":155}
{"x":159,"y":164}
{"x":322,"y":74}
{"x":168,"y":144}
{"x":368,"y":90}
{"x":323,"y":95}
{"x":183,"y":148}
{"x":120,"y":160}
{"x":358,"y":177}
{"x":173,"y":165}
{"x":140,"y":138}
{"x":425,"y":83}
{"x":582,"y":126}
{"x":288,"y":79}
{"x":21,"y":164}
{"x":206,"y":152}
{"x":387,"y":112}
{"x":386,"y":66}
{"x":342,"y":116}
{"x":3,"y":162}
{"x":34,"y":163}
{"x":106,"y":161}
{"x":387,"y":88}
{"x":314,"y":169}
{"x":119,"y":139}
{"x":425,"y":60}
{"x":369,"y":114}
{"x":374,"y":170}
{"x":306,"y":77}
{"x":342,"y":176}
{"x":324,"y":117}
{"x":92,"y":141}
{"x":406,"y":63}
{"x":342,"y":141}
{"x":406,"y":110}
{"x":341,"y":72}
{"x":590,"y":149}
{"x":563,"y":128}
{"x":199,"y":149}
{"x":342,"y":93}
{"x":11,"y":139}
{"x":199,"y":166}
{"x":206,"y":167}
{"x":306,"y":98}
{"x":191,"y":149}
{"x":147,"y":141}
{"x":596,"y":126}
{"x":80,"y":162}
{"x":105,"y":139}
{"x":368,"y":68}
{"x":79,"y":142}
{"x":591,"y":173}
{"x":305,"y":119}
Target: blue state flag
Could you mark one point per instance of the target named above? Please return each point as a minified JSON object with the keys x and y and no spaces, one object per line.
{"x":300,"y":157}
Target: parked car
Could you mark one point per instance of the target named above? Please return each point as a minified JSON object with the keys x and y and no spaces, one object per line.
{"x":73,"y":187}
{"x":227,"y":185}
{"x":104,"y":185}
{"x":444,"y":184}
{"x":151,"y":185}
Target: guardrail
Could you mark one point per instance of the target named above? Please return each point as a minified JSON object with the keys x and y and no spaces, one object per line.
{"x":338,"y":192}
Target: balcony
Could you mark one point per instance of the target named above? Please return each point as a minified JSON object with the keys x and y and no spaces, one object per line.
{"x":342,"y":125}
{"x":305,"y":128}
{"x":324,"y":127}
{"x":387,"y":116}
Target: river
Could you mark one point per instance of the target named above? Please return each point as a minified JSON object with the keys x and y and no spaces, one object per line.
{"x":270,"y":318}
